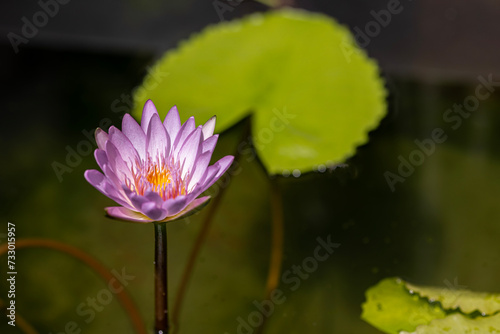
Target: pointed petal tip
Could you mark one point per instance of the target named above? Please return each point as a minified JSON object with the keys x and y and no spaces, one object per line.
{"x":174,"y":111}
{"x":101,"y":137}
{"x":172,"y":123}
{"x":149,"y":104}
{"x":209,"y":127}
{"x":228,"y":159}
{"x":135,"y":134}
{"x":127,"y":118}
{"x":147,"y":112}
{"x":196,"y":204}
{"x":112,"y":129}
{"x":157,"y":138}
{"x":224,"y":163}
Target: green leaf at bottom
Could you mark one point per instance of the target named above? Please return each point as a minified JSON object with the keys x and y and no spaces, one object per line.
{"x":398,"y":307}
{"x":458,"y":323}
{"x":465,"y":300}
{"x":391,"y":308}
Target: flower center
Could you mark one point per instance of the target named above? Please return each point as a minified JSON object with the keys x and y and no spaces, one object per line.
{"x":159,"y":176}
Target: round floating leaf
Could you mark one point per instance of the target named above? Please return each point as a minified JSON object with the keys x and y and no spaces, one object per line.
{"x":395,"y":306}
{"x":391,"y":308}
{"x":465,"y":300}
{"x":458,"y":323}
{"x":313,"y":95}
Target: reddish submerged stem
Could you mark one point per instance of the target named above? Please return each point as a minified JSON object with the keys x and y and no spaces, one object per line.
{"x":277,"y":241}
{"x":100,"y":269}
{"x":201,"y":237}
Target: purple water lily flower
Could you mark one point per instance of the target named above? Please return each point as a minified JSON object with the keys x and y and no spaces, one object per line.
{"x":156,"y":170}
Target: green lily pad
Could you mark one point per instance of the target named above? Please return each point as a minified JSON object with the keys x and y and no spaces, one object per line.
{"x":458,"y":323}
{"x":313,"y":95}
{"x":391,"y":308}
{"x":395,"y":306}
{"x":465,"y":300}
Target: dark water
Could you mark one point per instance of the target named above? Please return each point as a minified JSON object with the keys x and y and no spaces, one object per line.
{"x":440,"y":226}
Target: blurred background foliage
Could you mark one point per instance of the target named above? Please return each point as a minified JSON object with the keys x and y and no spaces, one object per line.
{"x":440,"y":224}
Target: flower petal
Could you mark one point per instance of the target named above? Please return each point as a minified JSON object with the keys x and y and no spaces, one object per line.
{"x":150,"y":204}
{"x":208,"y":178}
{"x":175,"y":205}
{"x":101,"y":137}
{"x":147,"y":112}
{"x":172,"y":123}
{"x":118,"y":166}
{"x":117,"y":196}
{"x":157,"y":140}
{"x":222,"y":165}
{"x":189,"y":152}
{"x":209,"y":143}
{"x":101,"y":158}
{"x":136,"y":200}
{"x":122,"y":213}
{"x":154,"y":212}
{"x":153,"y":197}
{"x":133,"y":131}
{"x":94,"y":177}
{"x":113,"y":179}
{"x":100,"y":182}
{"x":186,"y":129}
{"x":192,"y":208}
{"x":200,"y":167}
{"x":124,"y":146}
{"x":139,"y":201}
{"x":208,"y":127}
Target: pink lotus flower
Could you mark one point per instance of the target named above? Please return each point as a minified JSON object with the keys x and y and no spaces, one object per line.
{"x":156,"y":170}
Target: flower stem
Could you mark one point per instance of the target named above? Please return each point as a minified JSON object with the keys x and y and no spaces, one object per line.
{"x":161,"y":296}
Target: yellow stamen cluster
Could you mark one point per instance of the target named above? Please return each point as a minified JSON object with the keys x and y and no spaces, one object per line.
{"x":159,"y":177}
{"x":162,"y":178}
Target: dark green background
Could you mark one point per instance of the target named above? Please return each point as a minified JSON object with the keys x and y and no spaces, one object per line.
{"x":440,"y":225}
